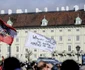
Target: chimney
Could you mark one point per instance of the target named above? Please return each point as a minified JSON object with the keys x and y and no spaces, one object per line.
{"x":76,"y":7}
{"x":9,"y":11}
{"x":67,"y":8}
{"x":62,"y":8}
{"x":2,"y":12}
{"x":46,"y":9}
{"x":57,"y":9}
{"x":18,"y":11}
{"x":26,"y":11}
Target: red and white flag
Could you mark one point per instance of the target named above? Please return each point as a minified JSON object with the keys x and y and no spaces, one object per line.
{"x":7,"y":32}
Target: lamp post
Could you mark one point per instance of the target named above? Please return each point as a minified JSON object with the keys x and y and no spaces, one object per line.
{"x":78,"y":49}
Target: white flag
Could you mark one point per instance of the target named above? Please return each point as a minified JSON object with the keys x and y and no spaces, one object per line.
{"x":35,"y":40}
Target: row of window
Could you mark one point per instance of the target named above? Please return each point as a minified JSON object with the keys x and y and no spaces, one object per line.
{"x":17,"y":49}
{"x":69,"y":38}
{"x":35,"y":50}
{"x":52,"y":30}
{"x":60,"y":38}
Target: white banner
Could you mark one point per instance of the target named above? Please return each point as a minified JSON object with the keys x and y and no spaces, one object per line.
{"x":35,"y":40}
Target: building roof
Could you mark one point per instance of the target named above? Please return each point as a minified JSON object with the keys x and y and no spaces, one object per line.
{"x":56,"y":18}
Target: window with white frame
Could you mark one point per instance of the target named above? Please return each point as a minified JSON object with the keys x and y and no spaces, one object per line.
{"x":44,"y":55}
{"x":0,"y":48}
{"x":0,"y":55}
{"x":35,"y":50}
{"x":26,"y":31}
{"x":69,"y":38}
{"x":77,"y":29}
{"x":17,"y":48}
{"x":35,"y":55}
{"x":17,"y":39}
{"x":69,"y":30}
{"x":52,"y":37}
{"x":60,"y":30}
{"x":69,"y":47}
{"x":52,"y":30}
{"x":43,"y":30}
{"x":60,"y":38}
{"x":26,"y":55}
{"x":35,"y":31}
{"x":41,"y":55}
{"x":77,"y":38}
{"x":17,"y":55}
{"x":8,"y":49}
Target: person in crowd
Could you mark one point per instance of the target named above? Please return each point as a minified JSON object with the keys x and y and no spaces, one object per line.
{"x":22,"y":65}
{"x":34,"y":65}
{"x":69,"y":65}
{"x":11,"y":63}
{"x":58,"y":66}
{"x":44,"y":66}
{"x":0,"y":66}
{"x":50,"y":66}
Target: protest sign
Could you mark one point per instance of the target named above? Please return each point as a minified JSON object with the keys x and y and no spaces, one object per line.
{"x":35,"y":40}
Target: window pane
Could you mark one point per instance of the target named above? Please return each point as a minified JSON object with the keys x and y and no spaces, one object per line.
{"x":77,"y":29}
{"x":69,"y":29}
{"x":35,"y":50}
{"x":69,"y":48}
{"x":52,"y":30}
{"x":17,"y":39}
{"x":60,"y":38}
{"x":60,"y":30}
{"x":17,"y":48}
{"x":77,"y":38}
{"x":35,"y":55}
{"x":17,"y":55}
{"x":43,"y":30}
{"x":0,"y":48}
{"x":26,"y":31}
{"x":69,"y":38}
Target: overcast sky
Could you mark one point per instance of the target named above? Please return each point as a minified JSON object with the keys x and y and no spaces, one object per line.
{"x":31,"y":5}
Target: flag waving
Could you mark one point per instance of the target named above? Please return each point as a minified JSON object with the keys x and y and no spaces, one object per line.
{"x":7,"y":32}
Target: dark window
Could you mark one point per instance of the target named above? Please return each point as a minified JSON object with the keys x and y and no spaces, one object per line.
{"x":17,"y":55}
{"x":69,"y":29}
{"x":43,"y":30}
{"x":60,"y":38}
{"x":17,"y":48}
{"x":40,"y":54}
{"x":69,"y":47}
{"x":35,"y":50}
{"x":77,"y":29}
{"x":52,"y":30}
{"x":77,"y":38}
{"x":35,"y":31}
{"x":17,"y":39}
{"x":26,"y":31}
{"x":60,"y":30}
{"x":0,"y":48}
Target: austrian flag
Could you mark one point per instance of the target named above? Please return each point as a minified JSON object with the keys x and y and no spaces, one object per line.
{"x":7,"y":32}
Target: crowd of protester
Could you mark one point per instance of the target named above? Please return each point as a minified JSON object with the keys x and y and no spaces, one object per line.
{"x":12,"y":63}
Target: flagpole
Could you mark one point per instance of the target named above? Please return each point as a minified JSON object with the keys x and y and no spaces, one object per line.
{"x":9,"y":50}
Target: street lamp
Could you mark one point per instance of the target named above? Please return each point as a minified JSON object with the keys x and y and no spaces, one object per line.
{"x":78,"y":49}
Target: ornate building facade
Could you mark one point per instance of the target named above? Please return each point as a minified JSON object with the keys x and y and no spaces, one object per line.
{"x":66,"y":28}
